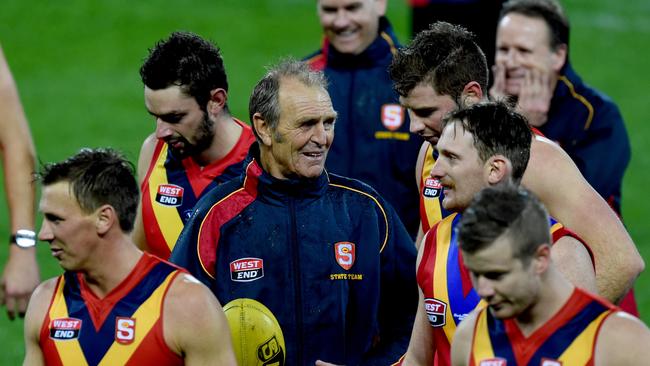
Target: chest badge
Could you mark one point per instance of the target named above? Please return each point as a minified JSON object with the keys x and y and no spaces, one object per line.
{"x":392,"y":116}
{"x":170,"y":195}
{"x":124,"y":330}
{"x":432,"y":188}
{"x":246,"y":269}
{"x":345,"y":254}
{"x":65,"y":329}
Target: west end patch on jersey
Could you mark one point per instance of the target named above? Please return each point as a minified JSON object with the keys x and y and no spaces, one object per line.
{"x":170,"y":195}
{"x":392,"y":116}
{"x":65,"y":329}
{"x":432,"y":188}
{"x":497,"y":361}
{"x":436,"y":311}
{"x":246,"y":269}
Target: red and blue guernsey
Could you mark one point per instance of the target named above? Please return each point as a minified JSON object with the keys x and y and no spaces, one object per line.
{"x":172,"y":187}
{"x":446,"y":284}
{"x":569,"y":338}
{"x":124,"y":328}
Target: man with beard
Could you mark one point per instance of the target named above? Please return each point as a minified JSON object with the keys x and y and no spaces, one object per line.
{"x":197,"y":144}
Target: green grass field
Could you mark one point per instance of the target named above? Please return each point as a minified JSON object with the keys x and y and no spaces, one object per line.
{"x":76,"y":64}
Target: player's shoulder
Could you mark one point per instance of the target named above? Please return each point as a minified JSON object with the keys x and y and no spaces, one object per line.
{"x":187,"y":296}
{"x":623,"y":340}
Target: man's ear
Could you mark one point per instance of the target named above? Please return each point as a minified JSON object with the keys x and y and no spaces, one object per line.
{"x":472,"y":94}
{"x":217,"y":102}
{"x":559,"y":57}
{"x":262,"y":128}
{"x":542,"y":258}
{"x":106,"y":218}
{"x":498,"y":169}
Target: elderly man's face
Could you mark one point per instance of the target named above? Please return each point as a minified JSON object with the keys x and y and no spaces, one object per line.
{"x":523,"y":45}
{"x":351,"y":25}
{"x":304,"y":132}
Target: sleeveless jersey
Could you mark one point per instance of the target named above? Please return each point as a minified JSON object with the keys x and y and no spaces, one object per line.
{"x":431,"y":193}
{"x":446,"y":284}
{"x":172,"y":187}
{"x":569,"y":338}
{"x":124,"y":328}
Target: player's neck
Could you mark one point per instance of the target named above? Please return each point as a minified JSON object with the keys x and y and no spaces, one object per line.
{"x":554,"y":294}
{"x":111,"y":266}
{"x":226,"y":135}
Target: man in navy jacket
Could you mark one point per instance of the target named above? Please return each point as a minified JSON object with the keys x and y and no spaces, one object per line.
{"x":326,"y":254}
{"x":372,"y":141}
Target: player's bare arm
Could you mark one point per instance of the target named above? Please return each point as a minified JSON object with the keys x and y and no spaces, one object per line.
{"x":556,"y":180}
{"x":38,"y":305}
{"x":421,"y":347}
{"x":572,"y":259}
{"x":144,"y":160}
{"x":623,"y":340}
{"x":20,"y":275}
{"x":194,"y":324}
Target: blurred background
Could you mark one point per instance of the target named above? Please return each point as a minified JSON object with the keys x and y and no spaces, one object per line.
{"x":76,"y":66}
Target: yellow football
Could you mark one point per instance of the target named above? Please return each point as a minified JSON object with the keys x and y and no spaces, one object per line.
{"x":256,"y":335}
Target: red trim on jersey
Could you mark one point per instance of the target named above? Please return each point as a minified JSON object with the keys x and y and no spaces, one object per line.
{"x":152,"y":232}
{"x":50,"y":354}
{"x":563,"y":231}
{"x":537,"y":132}
{"x":465,"y":278}
{"x":153,"y":350}
{"x":200,"y":177}
{"x":99,"y":309}
{"x":428,"y":259}
{"x":319,"y":61}
{"x":229,"y":207}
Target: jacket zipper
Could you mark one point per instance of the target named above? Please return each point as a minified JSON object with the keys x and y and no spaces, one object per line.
{"x":297,"y":281}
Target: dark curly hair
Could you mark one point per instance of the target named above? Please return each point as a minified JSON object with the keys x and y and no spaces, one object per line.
{"x":445,"y":56}
{"x":186,"y":60}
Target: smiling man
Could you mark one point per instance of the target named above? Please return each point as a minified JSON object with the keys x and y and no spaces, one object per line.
{"x":326,"y":254}
{"x":372,"y":141}
{"x":196,"y":145}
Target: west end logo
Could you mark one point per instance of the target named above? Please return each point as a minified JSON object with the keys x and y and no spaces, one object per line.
{"x":246,"y":269}
{"x":65,"y":329}
{"x":345,"y":254}
{"x":432,"y":188}
{"x":436,"y":311}
{"x":392,"y":116}
{"x":170,"y":195}
{"x":497,"y":361}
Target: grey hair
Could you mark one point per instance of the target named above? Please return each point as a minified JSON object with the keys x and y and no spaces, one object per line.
{"x":265,"y":97}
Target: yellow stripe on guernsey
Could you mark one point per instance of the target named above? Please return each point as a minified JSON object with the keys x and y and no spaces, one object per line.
{"x":70,"y":350}
{"x":380,"y":208}
{"x":581,"y":349}
{"x":171,"y":230}
{"x":431,"y":205}
{"x":119,"y":354}
{"x":482,"y":347}
{"x":443,"y":236}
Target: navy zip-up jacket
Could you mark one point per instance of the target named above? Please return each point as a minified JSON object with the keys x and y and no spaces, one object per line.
{"x":328,"y":257}
{"x":589,"y":127}
{"x":372,"y":142}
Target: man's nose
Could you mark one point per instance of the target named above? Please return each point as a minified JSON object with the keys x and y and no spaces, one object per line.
{"x":163,"y":129}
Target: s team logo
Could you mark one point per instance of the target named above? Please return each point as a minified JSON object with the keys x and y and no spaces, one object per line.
{"x":246,"y":269}
{"x":65,"y":329}
{"x":498,"y":361}
{"x":432,"y":188}
{"x":392,"y":116}
{"x":124,"y":330}
{"x":170,"y":195}
{"x":271,"y":353}
{"x":345,"y":254}
{"x":436,"y":311}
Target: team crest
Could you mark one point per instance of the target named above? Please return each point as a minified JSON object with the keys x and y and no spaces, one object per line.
{"x":65,"y":329}
{"x":550,"y":362}
{"x":436,"y":311}
{"x":246,"y":269}
{"x":345,"y":254}
{"x":432,"y":188}
{"x":271,"y":353}
{"x":497,"y":361}
{"x":392,"y":116}
{"x":124,"y":330}
{"x":170,"y":195}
